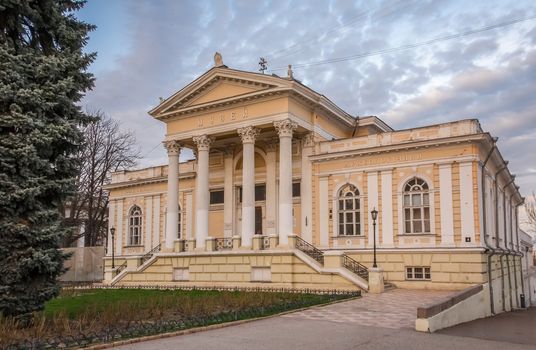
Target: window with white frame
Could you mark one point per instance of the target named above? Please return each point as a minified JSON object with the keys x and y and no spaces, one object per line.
{"x":349,"y":211}
{"x":134,"y":226}
{"x":418,"y":273}
{"x":416,"y":206}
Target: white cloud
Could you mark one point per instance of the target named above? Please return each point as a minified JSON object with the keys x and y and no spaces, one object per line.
{"x":490,"y":75}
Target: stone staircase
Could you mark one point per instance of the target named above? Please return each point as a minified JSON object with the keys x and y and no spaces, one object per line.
{"x":341,"y":264}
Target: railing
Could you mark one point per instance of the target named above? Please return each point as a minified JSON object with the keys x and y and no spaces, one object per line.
{"x":120,"y":268}
{"x":310,"y":250}
{"x":224,"y":243}
{"x":149,"y":254}
{"x":355,"y":267}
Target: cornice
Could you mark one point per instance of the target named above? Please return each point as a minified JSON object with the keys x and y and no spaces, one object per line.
{"x":397,"y":147}
{"x":147,"y":181}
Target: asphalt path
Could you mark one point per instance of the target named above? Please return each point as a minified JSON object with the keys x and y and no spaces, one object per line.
{"x":301,"y":333}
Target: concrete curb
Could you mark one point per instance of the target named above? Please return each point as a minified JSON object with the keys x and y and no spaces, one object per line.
{"x":206,"y":328}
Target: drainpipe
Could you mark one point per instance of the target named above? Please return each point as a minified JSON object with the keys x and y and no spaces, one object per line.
{"x":519,"y":252}
{"x":502,"y":251}
{"x":489,"y":249}
{"x":508,"y":250}
{"x":511,"y":244}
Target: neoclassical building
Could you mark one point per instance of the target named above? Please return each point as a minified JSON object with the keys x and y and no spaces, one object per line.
{"x":282,"y":188}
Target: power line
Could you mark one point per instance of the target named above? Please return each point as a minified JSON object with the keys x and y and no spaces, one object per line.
{"x":379,"y":13}
{"x":151,"y":151}
{"x":406,"y":47}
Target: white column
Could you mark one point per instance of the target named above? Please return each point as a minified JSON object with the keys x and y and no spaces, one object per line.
{"x":445,"y":201}
{"x":111,"y":223}
{"x":172,"y":212}
{"x":202,"y":194}
{"x":248,"y":135}
{"x":271,"y":188}
{"x":228,"y":208}
{"x":387,"y":208}
{"x":306,"y":190}
{"x":156,"y":221}
{"x":467,"y":208}
{"x":323,"y":211}
{"x":148,"y":223}
{"x":372,"y":196}
{"x":119,"y":229}
{"x":188,"y":215}
{"x":285,"y":128}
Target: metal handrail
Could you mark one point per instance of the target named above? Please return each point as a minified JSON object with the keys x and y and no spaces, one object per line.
{"x":149,"y":254}
{"x":224,"y":243}
{"x":310,"y":250}
{"x":355,"y":267}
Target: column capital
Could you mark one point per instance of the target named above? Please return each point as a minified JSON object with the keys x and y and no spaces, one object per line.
{"x":248,"y":134}
{"x":285,"y":128}
{"x":203,"y":142}
{"x":173,"y":147}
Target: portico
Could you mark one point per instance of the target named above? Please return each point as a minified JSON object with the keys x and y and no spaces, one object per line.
{"x":277,"y":214}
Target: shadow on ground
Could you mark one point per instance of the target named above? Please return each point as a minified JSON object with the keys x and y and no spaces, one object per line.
{"x":511,"y":327}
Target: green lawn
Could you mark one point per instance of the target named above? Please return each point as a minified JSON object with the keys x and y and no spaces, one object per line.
{"x":170,"y":303}
{"x":80,"y":317}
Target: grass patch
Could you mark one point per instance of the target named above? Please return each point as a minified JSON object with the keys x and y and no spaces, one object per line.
{"x":81,"y":317}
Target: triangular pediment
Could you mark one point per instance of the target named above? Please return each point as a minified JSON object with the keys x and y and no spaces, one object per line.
{"x":222,"y":90}
{"x":216,"y":85}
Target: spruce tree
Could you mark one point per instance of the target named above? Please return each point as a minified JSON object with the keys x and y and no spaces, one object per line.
{"x":43,"y":75}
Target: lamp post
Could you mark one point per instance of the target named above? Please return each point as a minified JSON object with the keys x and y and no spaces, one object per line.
{"x":374,"y":214}
{"x":112,"y":232}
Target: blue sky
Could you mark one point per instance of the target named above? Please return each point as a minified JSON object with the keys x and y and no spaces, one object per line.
{"x":148,"y":49}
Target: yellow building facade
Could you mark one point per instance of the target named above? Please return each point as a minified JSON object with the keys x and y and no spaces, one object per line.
{"x":282,"y":188}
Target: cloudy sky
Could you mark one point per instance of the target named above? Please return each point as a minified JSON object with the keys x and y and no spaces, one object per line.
{"x":396,"y":61}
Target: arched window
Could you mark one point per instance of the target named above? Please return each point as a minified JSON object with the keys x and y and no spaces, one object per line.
{"x":134,"y":226}
{"x":349,"y":211}
{"x":416,"y":206}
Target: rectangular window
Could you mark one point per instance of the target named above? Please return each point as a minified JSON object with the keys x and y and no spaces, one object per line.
{"x":418,"y":273}
{"x":296,"y":189}
{"x":216,"y":197}
{"x":261,"y":274}
{"x":260,"y":192}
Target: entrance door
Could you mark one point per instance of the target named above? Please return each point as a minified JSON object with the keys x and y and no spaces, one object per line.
{"x":258,"y":220}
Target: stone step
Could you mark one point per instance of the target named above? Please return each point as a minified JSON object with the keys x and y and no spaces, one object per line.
{"x":388,"y":286}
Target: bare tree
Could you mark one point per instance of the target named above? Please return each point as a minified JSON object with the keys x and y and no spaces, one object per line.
{"x":106,"y":149}
{"x":530,"y":209}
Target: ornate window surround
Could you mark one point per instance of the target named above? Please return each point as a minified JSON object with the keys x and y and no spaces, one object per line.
{"x":400,"y":204}
{"x":416,"y":205}
{"x":135,"y":226}
{"x":335,"y":215}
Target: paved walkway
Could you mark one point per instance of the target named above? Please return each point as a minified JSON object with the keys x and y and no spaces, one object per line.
{"x":347,"y":325}
{"x":395,"y":309}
